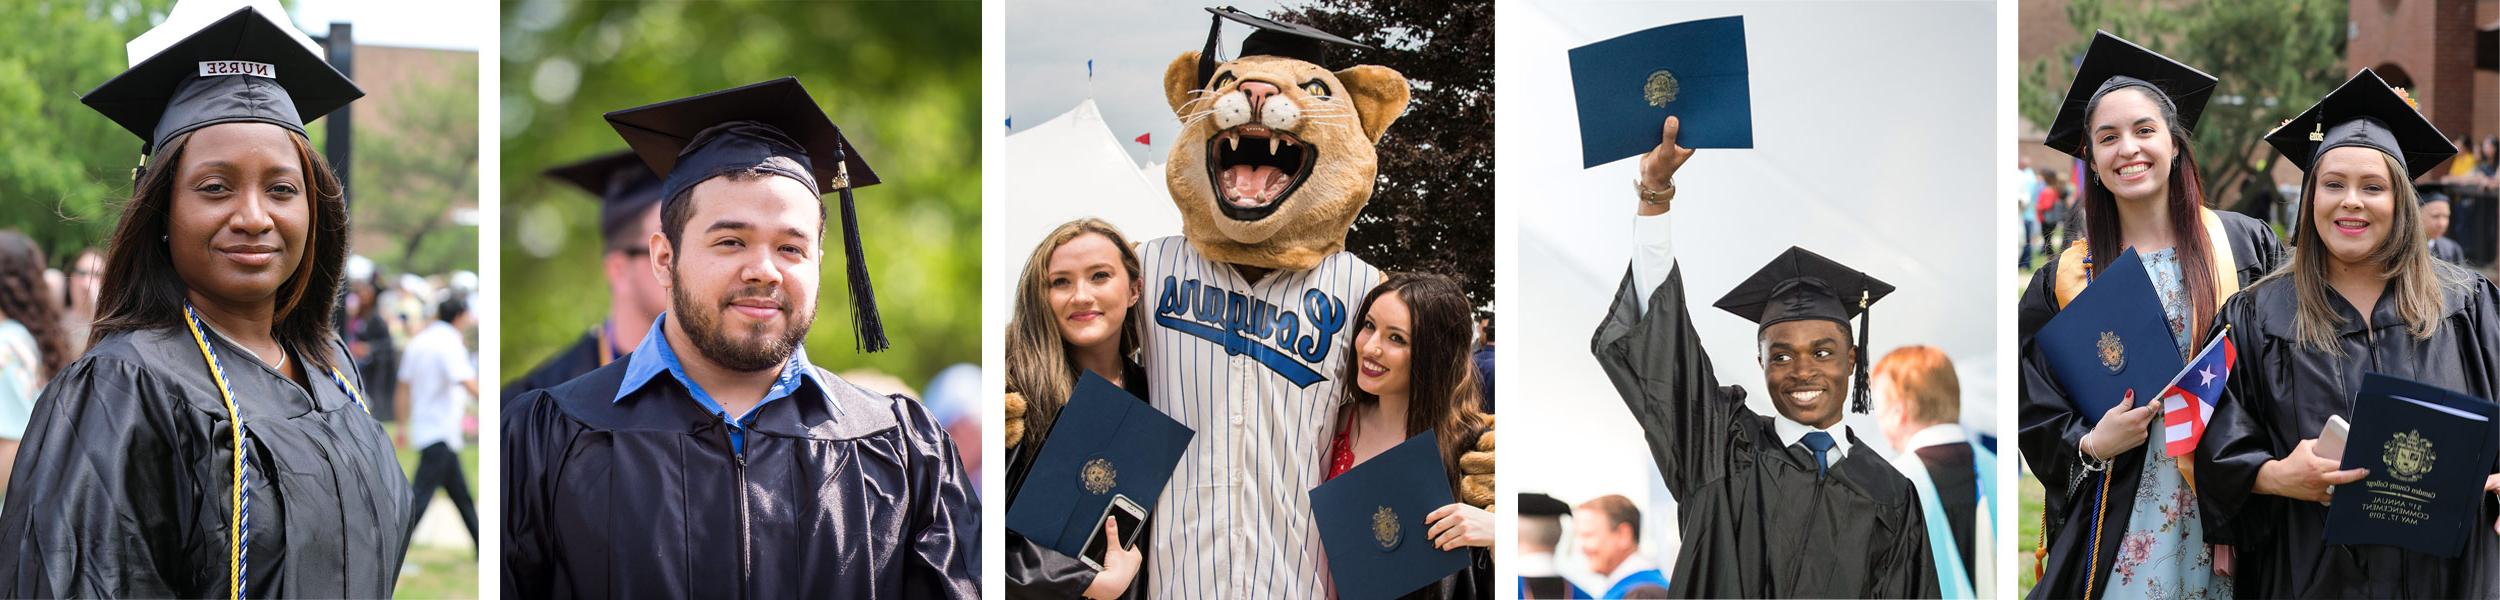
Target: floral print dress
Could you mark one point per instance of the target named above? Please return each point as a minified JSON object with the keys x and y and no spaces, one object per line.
{"x":2164,"y":555}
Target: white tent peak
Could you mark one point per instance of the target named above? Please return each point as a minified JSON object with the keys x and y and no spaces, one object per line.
{"x":1070,"y":167}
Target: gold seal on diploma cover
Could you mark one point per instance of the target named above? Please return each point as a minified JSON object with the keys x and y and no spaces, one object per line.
{"x":1098,"y":476}
{"x":2408,"y":456}
{"x":1661,"y":89}
{"x":1385,"y":528}
{"x":2113,"y":352}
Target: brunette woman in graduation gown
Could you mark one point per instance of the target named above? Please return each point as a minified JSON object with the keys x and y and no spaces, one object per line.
{"x":214,"y":439}
{"x":2119,"y":518}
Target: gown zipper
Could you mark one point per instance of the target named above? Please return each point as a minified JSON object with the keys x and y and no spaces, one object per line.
{"x":746,"y":542}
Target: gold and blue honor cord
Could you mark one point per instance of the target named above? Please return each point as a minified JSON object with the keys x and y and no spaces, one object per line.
{"x":238,"y":538}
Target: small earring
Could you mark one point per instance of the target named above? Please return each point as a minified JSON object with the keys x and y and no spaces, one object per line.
{"x":165,"y":238}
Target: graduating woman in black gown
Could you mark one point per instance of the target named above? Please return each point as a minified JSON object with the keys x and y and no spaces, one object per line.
{"x":213,"y":441}
{"x":2119,"y":517}
{"x":2303,"y":346}
{"x":1074,"y":304}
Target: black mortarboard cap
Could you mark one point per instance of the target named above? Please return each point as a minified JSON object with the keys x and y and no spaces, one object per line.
{"x":1801,"y":285}
{"x":1541,"y":505}
{"x":774,"y":127}
{"x":2111,"y":63}
{"x":1268,"y":38}
{"x":624,"y":186}
{"x":2363,"y":112}
{"x":215,"y":62}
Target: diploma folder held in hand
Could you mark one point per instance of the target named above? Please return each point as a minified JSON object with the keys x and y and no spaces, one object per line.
{"x":1104,"y":443}
{"x":2428,"y":451}
{"x":2112,"y":339}
{"x":1626,"y":87}
{"x":1371,"y":522}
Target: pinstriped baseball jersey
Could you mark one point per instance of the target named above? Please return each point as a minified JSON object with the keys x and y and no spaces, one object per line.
{"x":1253,"y":368}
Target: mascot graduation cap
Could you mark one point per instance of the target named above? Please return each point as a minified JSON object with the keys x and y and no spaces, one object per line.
{"x":1275,"y":156}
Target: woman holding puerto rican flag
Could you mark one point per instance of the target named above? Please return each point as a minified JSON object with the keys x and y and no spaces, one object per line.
{"x":2120,"y":518}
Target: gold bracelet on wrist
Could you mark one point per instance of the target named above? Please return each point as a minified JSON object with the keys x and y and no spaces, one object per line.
{"x":1654,"y":197}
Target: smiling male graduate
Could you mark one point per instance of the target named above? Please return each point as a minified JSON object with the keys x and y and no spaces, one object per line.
{"x":1791,"y":505}
{"x":715,"y":460}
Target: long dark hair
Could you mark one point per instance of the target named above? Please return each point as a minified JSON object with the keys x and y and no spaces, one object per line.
{"x":2187,"y":222}
{"x":142,"y":292}
{"x":1442,"y":395}
{"x":22,"y":298}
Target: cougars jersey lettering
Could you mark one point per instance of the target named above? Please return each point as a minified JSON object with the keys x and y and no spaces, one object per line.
{"x":1253,"y":368}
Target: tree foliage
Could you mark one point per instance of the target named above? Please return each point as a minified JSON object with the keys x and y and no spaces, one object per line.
{"x":64,"y":169}
{"x":2274,"y":58}
{"x":1433,"y":208}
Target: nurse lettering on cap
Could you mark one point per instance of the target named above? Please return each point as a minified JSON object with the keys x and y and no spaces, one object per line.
{"x":858,"y":494}
{"x":214,"y":440}
{"x":207,"y":66}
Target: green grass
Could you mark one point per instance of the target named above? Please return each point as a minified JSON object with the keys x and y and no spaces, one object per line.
{"x":2034,"y":497}
{"x":440,"y":571}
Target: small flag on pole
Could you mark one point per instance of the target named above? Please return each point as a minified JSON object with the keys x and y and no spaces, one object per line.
{"x":2188,"y":404}
{"x":1146,"y":138}
{"x":1089,"y":69}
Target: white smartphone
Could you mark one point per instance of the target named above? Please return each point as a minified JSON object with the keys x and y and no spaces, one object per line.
{"x":2330,"y":444}
{"x":1130,"y":516}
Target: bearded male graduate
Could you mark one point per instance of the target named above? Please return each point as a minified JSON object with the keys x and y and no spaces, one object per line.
{"x":1792,"y":505}
{"x":715,"y":460}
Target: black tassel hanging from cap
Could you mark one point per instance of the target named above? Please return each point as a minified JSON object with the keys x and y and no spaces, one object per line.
{"x":1206,"y":57}
{"x":1857,"y":396}
{"x":871,"y":336}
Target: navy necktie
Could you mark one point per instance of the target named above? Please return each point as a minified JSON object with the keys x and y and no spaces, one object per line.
{"x":1820,"y":443}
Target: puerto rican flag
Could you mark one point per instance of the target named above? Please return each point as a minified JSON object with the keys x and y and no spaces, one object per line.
{"x":2188,"y":404}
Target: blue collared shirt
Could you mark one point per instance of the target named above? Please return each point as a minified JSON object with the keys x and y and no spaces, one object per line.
{"x":654,"y":356}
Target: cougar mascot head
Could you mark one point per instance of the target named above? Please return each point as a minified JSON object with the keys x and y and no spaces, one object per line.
{"x":1275,"y":152}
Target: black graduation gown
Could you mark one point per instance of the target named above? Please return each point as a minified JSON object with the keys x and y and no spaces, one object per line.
{"x":1036,"y":571}
{"x":2447,"y":250}
{"x":2282,"y":393}
{"x":1957,"y":483}
{"x":1756,"y":522}
{"x":841,"y":493}
{"x":575,"y":361}
{"x":2051,"y":428}
{"x":123,"y":480}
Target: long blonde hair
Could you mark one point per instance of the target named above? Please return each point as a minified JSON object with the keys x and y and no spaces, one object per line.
{"x":1038,"y":364}
{"x":2405,"y":257}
